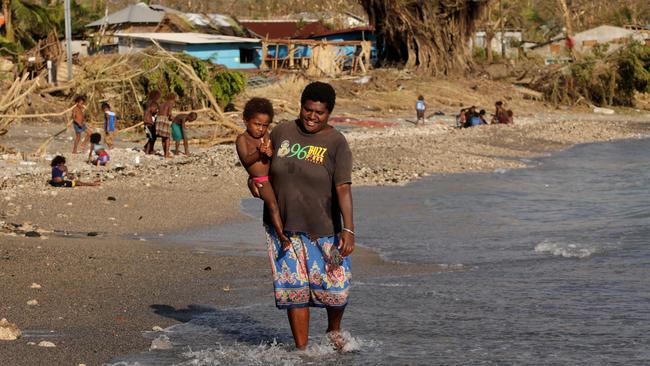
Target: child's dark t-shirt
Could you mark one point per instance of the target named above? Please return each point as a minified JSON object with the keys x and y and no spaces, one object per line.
{"x":305,"y":169}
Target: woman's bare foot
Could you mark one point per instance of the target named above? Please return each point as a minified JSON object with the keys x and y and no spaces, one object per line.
{"x":336,"y":339}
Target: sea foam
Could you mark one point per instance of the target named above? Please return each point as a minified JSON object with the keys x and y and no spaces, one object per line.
{"x":566,"y":250}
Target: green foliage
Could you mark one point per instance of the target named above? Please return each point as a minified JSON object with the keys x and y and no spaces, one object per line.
{"x":166,"y":77}
{"x":225,"y":85}
{"x":633,"y":73}
{"x":605,"y":79}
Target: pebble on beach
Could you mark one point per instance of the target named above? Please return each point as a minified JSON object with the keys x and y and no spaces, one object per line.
{"x":35,"y":285}
{"x":46,"y":344}
{"x":32,"y":302}
{"x":8,"y":331}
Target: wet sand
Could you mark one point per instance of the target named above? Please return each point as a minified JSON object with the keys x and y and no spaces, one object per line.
{"x":100,"y":293}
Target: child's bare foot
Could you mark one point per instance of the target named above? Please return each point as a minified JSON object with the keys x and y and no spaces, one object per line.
{"x":336,"y":338}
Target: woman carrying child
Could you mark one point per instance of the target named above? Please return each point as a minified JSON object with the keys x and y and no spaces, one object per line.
{"x":99,"y":151}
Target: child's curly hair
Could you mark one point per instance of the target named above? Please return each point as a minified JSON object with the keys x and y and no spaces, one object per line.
{"x":57,"y":160}
{"x":95,"y":138}
{"x":258,"y":105}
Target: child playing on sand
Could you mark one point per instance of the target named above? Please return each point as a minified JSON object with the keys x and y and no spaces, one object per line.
{"x":59,"y":173}
{"x":109,"y":124}
{"x":420,"y":108}
{"x":178,"y":130}
{"x":255,"y":150}
{"x":79,"y":123}
{"x":99,"y":150}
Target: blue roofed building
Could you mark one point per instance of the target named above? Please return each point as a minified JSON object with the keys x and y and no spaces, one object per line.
{"x":229,"y":51}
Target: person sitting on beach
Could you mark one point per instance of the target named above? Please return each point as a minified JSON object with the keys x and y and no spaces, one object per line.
{"x":510,"y":116}
{"x":500,"y":115}
{"x":101,"y":156}
{"x":178,"y":130}
{"x":420,"y":109}
{"x":164,"y":122}
{"x":461,"y":118}
{"x":472,"y":117}
{"x":150,"y":114}
{"x":60,"y":172}
{"x":109,"y":124}
{"x":255,"y":151}
{"x":79,"y":123}
{"x":482,"y":115}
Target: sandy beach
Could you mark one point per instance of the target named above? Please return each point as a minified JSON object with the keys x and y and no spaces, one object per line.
{"x":100,"y":292}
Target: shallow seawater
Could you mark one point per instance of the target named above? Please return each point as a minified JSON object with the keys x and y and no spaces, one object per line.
{"x":557,"y":258}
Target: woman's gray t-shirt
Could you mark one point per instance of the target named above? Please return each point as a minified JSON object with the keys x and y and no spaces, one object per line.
{"x":305,"y":170}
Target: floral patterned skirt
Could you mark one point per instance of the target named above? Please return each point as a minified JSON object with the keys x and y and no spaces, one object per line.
{"x":310,"y":273}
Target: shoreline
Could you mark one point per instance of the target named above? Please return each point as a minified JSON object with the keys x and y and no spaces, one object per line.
{"x":98,"y":293}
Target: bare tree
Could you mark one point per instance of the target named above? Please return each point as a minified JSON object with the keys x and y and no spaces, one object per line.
{"x":431,"y":36}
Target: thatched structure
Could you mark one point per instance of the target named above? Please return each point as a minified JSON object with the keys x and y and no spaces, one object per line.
{"x":431,"y":35}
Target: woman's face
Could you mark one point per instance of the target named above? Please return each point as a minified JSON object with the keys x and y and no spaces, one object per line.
{"x":314,"y":116}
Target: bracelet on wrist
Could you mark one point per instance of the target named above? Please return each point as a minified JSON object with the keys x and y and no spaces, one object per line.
{"x":348,"y":230}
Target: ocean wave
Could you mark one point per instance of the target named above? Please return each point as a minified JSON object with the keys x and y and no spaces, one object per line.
{"x":566,"y":250}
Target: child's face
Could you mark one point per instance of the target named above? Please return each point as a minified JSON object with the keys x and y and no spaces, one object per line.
{"x":258,"y":124}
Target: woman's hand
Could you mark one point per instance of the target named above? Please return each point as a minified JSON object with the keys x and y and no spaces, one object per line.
{"x":346,"y":243}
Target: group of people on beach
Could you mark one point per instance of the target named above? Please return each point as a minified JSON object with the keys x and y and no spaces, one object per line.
{"x":160,"y":122}
{"x":469,"y":117}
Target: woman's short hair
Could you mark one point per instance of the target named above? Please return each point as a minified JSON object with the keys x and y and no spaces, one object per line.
{"x":319,"y":92}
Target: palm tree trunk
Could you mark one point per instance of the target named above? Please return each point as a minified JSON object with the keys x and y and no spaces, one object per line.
{"x":431,"y":36}
{"x":9,"y":29}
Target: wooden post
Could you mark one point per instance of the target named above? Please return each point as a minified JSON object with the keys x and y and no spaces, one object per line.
{"x":265,"y":53}
{"x":292,"y":50}
{"x":277,"y":54}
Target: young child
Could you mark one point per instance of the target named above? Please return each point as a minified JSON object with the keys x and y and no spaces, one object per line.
{"x":164,"y":122}
{"x":178,"y":130}
{"x":150,"y":115}
{"x":59,"y":172}
{"x":109,"y":124}
{"x":79,"y":123}
{"x":420,"y":108}
{"x":255,"y":150}
{"x":101,"y":155}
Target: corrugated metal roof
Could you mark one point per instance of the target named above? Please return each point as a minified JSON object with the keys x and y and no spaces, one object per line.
{"x":284,"y":29}
{"x":205,"y":19}
{"x":138,"y":13}
{"x":343,"y":31}
{"x":188,"y":38}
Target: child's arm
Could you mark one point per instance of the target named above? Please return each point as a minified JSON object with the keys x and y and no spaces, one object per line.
{"x":247,"y":156}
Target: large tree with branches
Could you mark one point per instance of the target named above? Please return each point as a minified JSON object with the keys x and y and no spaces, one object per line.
{"x":429,"y":35}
